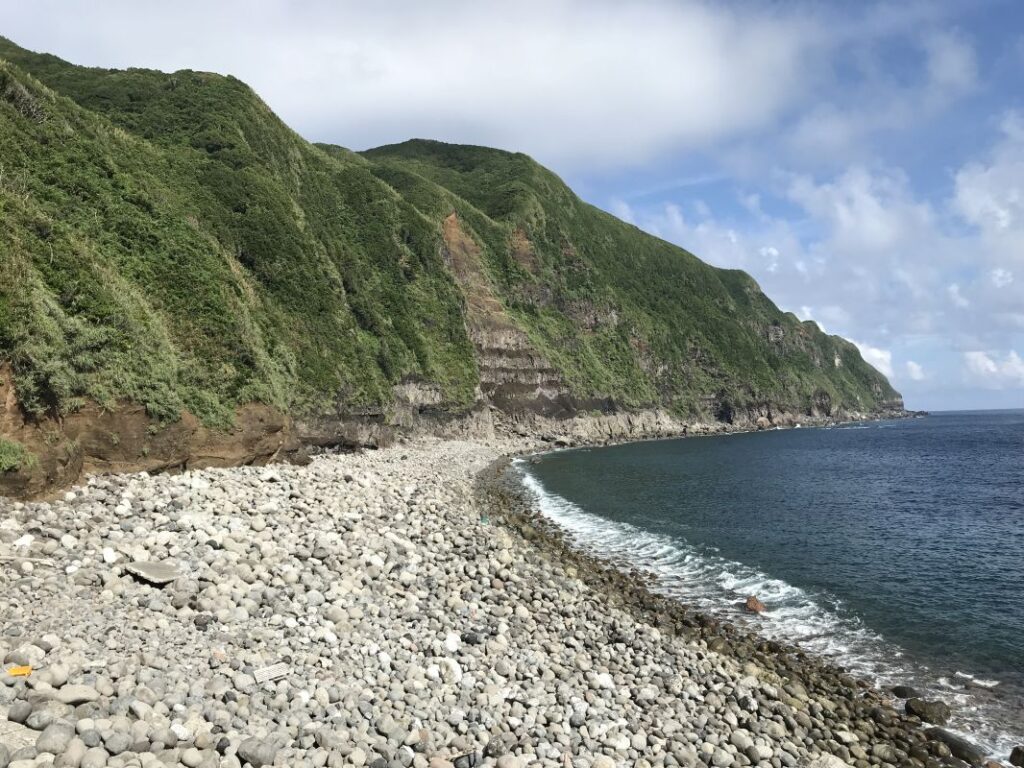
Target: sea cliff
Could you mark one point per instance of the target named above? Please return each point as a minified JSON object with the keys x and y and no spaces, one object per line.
{"x":187,"y":282}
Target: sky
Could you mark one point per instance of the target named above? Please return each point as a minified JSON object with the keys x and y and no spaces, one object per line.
{"x":863,"y":161}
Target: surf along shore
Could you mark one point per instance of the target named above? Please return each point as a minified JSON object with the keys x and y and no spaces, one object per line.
{"x":391,"y":608}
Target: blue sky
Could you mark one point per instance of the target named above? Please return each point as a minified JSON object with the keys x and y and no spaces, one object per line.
{"x":863,"y":161}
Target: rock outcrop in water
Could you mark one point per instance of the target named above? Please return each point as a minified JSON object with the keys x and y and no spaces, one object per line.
{"x":936,"y":712}
{"x":753,"y":605}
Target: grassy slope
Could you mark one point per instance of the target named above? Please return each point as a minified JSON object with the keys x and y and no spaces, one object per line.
{"x":679,"y":331}
{"x":167,"y":240}
{"x":176,"y":244}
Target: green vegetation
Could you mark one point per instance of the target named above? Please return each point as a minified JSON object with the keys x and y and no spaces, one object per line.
{"x":175,"y":244}
{"x":670,"y":329}
{"x":167,"y":240}
{"x":14,"y":456}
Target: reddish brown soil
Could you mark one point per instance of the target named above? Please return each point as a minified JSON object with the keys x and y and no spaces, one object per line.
{"x":127,"y":439}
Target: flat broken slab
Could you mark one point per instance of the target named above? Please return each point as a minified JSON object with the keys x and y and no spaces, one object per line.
{"x":15,"y":736}
{"x":158,"y":573}
{"x":273,"y":672}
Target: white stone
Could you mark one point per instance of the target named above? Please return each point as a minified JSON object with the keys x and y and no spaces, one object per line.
{"x":604,"y":680}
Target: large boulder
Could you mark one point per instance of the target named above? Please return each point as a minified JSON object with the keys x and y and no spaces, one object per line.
{"x":960,"y":747}
{"x":55,"y":738}
{"x":936,"y":712}
{"x":1017,"y":756}
{"x":257,"y":753}
{"x":753,"y":605}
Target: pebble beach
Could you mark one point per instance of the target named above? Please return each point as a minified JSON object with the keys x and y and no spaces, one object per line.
{"x":390,"y":608}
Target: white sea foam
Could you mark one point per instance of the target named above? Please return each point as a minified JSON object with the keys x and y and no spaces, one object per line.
{"x":976,"y":681}
{"x":716,"y":585}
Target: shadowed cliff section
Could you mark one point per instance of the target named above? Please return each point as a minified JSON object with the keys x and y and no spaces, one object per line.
{"x":178,"y":265}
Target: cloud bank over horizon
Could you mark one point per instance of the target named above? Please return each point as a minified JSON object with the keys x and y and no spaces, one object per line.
{"x":865,"y":163}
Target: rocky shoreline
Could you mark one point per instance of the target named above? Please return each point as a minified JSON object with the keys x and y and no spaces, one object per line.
{"x":391,"y":608}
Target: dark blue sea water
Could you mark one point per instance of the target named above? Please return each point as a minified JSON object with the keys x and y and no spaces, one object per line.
{"x":896,"y":548}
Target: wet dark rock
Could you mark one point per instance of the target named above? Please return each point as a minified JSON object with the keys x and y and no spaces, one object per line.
{"x":905,"y":692}
{"x":1017,"y":756}
{"x":936,"y":712}
{"x":753,"y":605}
{"x":959,"y":747}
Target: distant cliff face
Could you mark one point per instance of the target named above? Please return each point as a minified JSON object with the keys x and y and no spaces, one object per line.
{"x":169,"y":247}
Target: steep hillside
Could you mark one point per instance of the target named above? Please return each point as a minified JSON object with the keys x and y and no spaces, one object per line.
{"x":182,"y":275}
{"x":625,"y":316}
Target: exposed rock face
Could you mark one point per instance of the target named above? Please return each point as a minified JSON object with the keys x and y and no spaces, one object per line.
{"x":126,"y":439}
{"x":513,"y":375}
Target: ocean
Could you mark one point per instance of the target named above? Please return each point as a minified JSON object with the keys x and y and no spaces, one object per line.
{"x":894,"y":548}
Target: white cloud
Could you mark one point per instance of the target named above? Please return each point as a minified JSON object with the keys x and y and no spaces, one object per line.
{"x":1001,"y":277}
{"x":623,"y":210}
{"x":770,"y":254}
{"x":572,"y":81}
{"x":864,"y":211}
{"x":915,"y":371}
{"x":832,"y":315}
{"x":876,"y":356}
{"x":990,"y":194}
{"x":980,"y":363}
{"x":953,"y":289}
{"x":872,"y":261}
{"x":994,"y":373}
